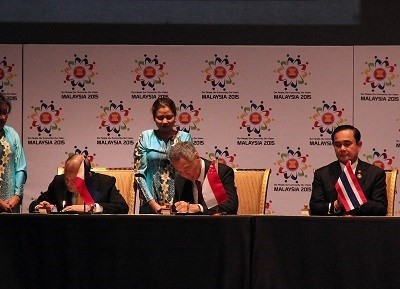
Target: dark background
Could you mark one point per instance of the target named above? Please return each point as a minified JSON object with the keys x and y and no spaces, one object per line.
{"x":377,"y":23}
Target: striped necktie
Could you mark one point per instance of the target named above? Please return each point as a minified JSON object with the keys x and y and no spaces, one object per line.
{"x":199,"y":193}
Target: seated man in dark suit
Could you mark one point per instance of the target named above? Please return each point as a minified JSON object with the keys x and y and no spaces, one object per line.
{"x":62,"y":192}
{"x":346,"y":141}
{"x":192,"y":168}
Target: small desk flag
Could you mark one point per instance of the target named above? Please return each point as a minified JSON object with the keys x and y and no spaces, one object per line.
{"x":84,"y":185}
{"x":213,"y":191}
{"x":349,"y":190}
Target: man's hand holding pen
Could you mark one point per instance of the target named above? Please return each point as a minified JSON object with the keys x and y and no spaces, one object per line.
{"x":183,"y":207}
{"x":45,"y":205}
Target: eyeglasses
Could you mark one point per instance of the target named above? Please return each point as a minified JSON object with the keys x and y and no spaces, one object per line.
{"x":339,"y":144}
{"x":188,"y":167}
{"x":168,"y":117}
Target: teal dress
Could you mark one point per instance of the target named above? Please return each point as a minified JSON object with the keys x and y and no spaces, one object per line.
{"x":154,"y":173}
{"x":13,"y":170}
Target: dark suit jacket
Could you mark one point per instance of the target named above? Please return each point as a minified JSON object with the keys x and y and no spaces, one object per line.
{"x":372,"y":181}
{"x":110,"y":198}
{"x":184,"y":190}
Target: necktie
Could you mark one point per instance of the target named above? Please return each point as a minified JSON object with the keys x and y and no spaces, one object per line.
{"x":199,"y":192}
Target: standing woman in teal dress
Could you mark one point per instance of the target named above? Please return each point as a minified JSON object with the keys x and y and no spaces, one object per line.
{"x":12,"y":163}
{"x":154,"y":172}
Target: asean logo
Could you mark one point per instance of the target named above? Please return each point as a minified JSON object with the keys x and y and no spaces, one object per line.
{"x":292,"y":72}
{"x":84,"y":152}
{"x":255,"y":118}
{"x":45,"y":118}
{"x":223,"y":157}
{"x":6,"y":74}
{"x":149,"y":72}
{"x":380,"y":159}
{"x":220,"y":72}
{"x":379,"y":74}
{"x":79,"y":72}
{"x":188,"y":117}
{"x":327,"y":117}
{"x":292,"y":164}
{"x":114,"y":118}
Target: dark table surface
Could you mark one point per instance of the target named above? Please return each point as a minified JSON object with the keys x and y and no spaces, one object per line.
{"x":326,"y":252}
{"x":148,"y":251}
{"x":121,"y":251}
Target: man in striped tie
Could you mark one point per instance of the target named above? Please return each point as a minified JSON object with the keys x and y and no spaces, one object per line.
{"x":348,"y":178}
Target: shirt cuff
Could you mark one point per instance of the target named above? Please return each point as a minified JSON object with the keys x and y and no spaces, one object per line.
{"x":97,"y":208}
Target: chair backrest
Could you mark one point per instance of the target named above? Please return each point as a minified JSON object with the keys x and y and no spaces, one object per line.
{"x":391,"y":176}
{"x":252,"y":187}
{"x":124,"y":182}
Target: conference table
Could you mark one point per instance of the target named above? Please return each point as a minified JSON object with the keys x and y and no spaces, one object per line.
{"x":326,"y":252}
{"x":152,"y":251}
{"x":124,"y":251}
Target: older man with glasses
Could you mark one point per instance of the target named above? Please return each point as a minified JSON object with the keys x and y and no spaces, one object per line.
{"x":189,"y":184}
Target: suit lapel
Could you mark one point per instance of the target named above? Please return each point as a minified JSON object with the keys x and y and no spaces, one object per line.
{"x":360,"y":172}
{"x":179,"y":183}
{"x":183,"y":189}
{"x":336,"y":170}
{"x":207,"y":165}
{"x":95,"y":181}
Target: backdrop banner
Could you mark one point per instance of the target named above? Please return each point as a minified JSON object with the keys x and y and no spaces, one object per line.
{"x":247,"y":106}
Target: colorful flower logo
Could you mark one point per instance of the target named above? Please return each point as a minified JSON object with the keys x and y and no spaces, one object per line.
{"x":84,"y":152}
{"x":45,"y":118}
{"x":6,"y":74}
{"x":220,"y":72}
{"x":327,"y":117}
{"x":188,"y":117}
{"x":223,"y":157}
{"x":398,"y":119}
{"x":380,"y":159}
{"x":379,"y":74}
{"x":114,"y":118}
{"x":255,"y":118}
{"x":292,"y":164}
{"x":268,"y":208}
{"x":79,"y":72}
{"x":292,"y":72}
{"x":149,"y":72}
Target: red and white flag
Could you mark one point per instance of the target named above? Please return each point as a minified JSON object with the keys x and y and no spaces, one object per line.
{"x":349,"y":191}
{"x":80,"y":182}
{"x":213,"y":191}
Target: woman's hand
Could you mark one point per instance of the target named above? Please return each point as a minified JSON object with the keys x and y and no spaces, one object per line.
{"x":155,"y":207}
{"x":5,"y":207}
{"x":14,"y":201}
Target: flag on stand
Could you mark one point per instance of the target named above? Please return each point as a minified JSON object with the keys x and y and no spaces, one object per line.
{"x":84,"y":185}
{"x":213,"y":191}
{"x":349,"y":190}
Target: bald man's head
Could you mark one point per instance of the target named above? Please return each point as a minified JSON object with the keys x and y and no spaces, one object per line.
{"x":73,"y":164}
{"x":71,"y":169}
